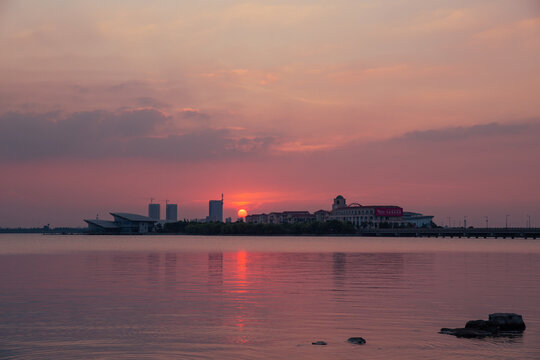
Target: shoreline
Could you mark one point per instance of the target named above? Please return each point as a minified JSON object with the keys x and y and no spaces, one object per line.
{"x":518,"y":233}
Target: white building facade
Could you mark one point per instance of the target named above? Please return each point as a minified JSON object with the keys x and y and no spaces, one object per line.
{"x":362,"y":217}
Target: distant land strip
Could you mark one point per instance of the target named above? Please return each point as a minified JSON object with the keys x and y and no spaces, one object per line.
{"x":335,"y":227}
{"x":332,"y":227}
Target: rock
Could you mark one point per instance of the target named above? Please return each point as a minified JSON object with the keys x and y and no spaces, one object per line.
{"x":507,"y":321}
{"x":356,"y":340}
{"x":466,"y":333}
{"x":499,"y":324}
{"x":482,"y":325}
{"x":318,"y":343}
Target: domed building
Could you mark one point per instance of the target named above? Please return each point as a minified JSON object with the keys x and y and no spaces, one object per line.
{"x":375,"y":216}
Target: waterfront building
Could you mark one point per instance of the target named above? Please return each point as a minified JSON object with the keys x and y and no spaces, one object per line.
{"x":322,"y":215}
{"x":215,"y":210}
{"x":339,"y":202}
{"x":154,"y":211}
{"x":361,"y":216}
{"x":376,"y":216}
{"x":416,"y":219}
{"x":275,"y":218}
{"x":123,"y":223}
{"x":257,"y":219}
{"x":294,"y":217}
{"x":171,"y":212}
{"x":285,"y":217}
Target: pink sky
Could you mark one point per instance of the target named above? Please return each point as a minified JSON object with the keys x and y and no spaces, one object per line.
{"x":279,"y":105}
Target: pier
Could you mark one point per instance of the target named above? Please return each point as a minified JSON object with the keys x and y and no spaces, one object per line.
{"x":505,"y":233}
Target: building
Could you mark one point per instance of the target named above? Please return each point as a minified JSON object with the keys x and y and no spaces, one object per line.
{"x":322,"y":215}
{"x":416,"y":219}
{"x":294,"y":217}
{"x":257,"y":219}
{"x":376,"y":216}
{"x":285,"y":217}
{"x":123,"y":223}
{"x":215,"y":210}
{"x":339,"y":202}
{"x":154,"y":211}
{"x":171,"y":212}
{"x":367,"y":216}
{"x":364,"y":216}
{"x":361,"y":216}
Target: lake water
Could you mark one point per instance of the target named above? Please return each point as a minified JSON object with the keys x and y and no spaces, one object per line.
{"x":195,"y":297}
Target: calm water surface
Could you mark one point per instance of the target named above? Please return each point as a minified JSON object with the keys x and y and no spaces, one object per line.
{"x":191,"y":297}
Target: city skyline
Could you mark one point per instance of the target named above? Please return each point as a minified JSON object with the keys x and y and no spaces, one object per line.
{"x":215,"y":213}
{"x":281,"y":106}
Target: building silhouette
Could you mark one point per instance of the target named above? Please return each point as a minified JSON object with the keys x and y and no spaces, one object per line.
{"x":154,"y":211}
{"x":361,"y":216}
{"x":215,"y":210}
{"x":171,"y":212}
{"x":123,"y":223}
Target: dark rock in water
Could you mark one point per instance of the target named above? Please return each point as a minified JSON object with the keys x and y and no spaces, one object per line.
{"x":499,"y":324}
{"x":318,"y":343}
{"x":466,"y":333}
{"x":482,"y":325}
{"x":356,"y":340}
{"x":507,"y":321}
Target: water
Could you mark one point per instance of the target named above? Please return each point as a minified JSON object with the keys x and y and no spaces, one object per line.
{"x":193,"y":297}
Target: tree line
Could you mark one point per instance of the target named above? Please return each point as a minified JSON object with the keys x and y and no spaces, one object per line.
{"x":332,"y":227}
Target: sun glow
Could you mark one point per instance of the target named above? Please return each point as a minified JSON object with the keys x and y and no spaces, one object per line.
{"x":242,"y":213}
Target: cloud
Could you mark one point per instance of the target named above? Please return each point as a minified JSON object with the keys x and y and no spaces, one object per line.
{"x":471,"y":132}
{"x":445,"y":20}
{"x":357,"y":73}
{"x":524,"y":31}
{"x":127,"y":85}
{"x":438,"y":157}
{"x":124,"y":134}
{"x":450,"y":155}
{"x":149,"y":101}
{"x":192,"y":113}
{"x":201,"y":145}
{"x":272,"y":14}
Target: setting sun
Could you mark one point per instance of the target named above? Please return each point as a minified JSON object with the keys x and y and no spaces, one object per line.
{"x":242,"y":213}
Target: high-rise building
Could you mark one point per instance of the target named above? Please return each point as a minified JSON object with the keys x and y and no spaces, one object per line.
{"x":171,"y":212}
{"x":215,"y":210}
{"x":154,"y":211}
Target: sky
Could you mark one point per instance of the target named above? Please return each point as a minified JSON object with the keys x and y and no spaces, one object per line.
{"x":279,"y":105}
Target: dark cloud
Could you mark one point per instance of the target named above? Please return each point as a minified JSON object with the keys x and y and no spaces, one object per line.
{"x":471,"y":132}
{"x":149,"y":101}
{"x":206,"y":144}
{"x":194,"y":114}
{"x":102,"y":134}
{"x":128,"y":85}
{"x":80,"y":89}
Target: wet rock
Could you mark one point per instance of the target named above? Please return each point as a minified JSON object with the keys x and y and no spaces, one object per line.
{"x":507,"y":321}
{"x":499,"y":324}
{"x":356,"y":340}
{"x":466,"y":333}
{"x":482,"y":325}
{"x":318,"y":343}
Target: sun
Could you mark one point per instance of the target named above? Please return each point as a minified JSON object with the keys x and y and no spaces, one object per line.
{"x":242,"y":213}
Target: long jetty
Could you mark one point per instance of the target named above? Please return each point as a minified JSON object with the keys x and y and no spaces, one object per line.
{"x":512,"y":233}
